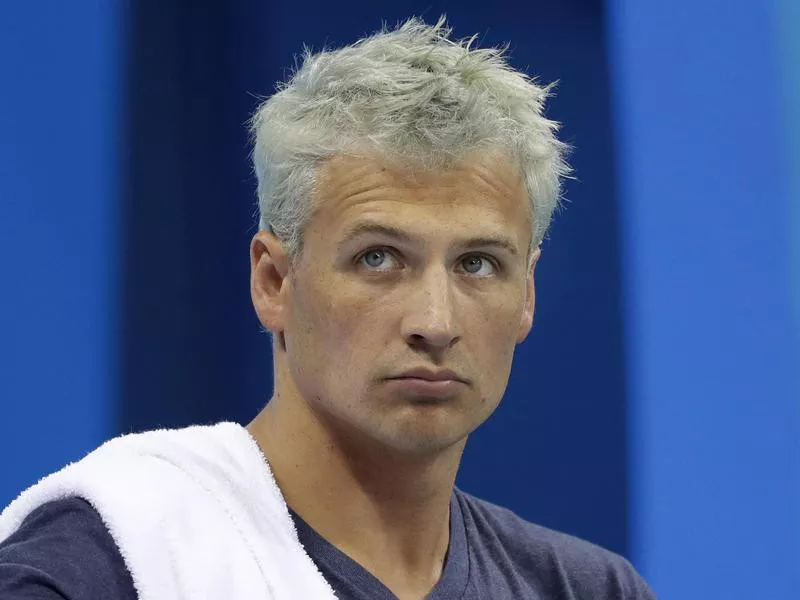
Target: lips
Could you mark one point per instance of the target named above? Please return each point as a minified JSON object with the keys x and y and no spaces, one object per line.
{"x":429,"y":375}
{"x":428,"y":383}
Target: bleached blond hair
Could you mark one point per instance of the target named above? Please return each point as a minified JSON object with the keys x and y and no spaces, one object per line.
{"x":413,"y":94}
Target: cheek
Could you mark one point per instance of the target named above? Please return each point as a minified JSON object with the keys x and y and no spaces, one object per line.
{"x":333,"y":325}
{"x":497,"y":338}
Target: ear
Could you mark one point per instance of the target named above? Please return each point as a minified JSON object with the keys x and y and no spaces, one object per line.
{"x":269,"y":268}
{"x":526,"y":322}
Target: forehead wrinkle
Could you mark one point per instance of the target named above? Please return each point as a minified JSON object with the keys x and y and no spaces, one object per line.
{"x":489,"y":170}
{"x":356,"y":188}
{"x":510,"y":187}
{"x":350,"y":183}
{"x":366,"y":227}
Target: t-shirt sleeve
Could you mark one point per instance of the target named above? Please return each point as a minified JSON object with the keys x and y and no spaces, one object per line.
{"x":63,"y":551}
{"x":623,"y":581}
{"x":526,"y":560}
{"x":641,"y":589}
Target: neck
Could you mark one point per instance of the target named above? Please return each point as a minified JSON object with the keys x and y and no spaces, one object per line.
{"x":388,"y":512}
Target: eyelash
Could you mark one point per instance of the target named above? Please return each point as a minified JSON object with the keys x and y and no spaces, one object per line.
{"x":389,"y":250}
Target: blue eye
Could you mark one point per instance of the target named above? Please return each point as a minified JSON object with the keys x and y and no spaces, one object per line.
{"x":475,"y":263}
{"x":374,"y":258}
{"x":378,"y":259}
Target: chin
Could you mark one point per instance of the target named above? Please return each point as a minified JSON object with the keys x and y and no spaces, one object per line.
{"x":421,"y":447}
{"x":423,"y":438}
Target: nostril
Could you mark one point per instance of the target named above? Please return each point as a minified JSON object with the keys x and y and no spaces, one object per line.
{"x":440,"y":340}
{"x":416,"y":339}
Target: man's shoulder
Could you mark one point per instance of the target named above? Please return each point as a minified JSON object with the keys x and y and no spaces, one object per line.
{"x":63,"y":545}
{"x":550,"y":559}
{"x":509,"y":529}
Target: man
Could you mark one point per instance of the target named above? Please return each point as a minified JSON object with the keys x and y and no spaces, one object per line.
{"x":405,"y":184}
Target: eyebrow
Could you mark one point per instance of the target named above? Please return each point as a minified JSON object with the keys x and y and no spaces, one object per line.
{"x":369,"y":227}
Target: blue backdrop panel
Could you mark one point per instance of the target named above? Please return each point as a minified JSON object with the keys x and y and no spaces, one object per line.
{"x":59,"y":111}
{"x":712,"y":348}
{"x":787,"y":17}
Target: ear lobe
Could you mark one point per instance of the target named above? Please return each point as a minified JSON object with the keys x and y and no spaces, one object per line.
{"x":528,"y":309}
{"x":269,"y":267}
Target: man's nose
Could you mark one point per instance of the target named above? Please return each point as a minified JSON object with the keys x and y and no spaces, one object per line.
{"x":430,"y":318}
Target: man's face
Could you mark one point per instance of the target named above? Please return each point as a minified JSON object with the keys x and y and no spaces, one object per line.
{"x":405,"y":278}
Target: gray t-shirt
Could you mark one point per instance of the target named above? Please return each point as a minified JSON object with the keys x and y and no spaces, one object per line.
{"x":63,"y":551}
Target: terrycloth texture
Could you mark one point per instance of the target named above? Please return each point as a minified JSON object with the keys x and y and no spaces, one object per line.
{"x":195,"y":513}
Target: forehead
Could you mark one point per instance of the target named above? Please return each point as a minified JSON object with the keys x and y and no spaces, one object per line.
{"x":482,"y":192}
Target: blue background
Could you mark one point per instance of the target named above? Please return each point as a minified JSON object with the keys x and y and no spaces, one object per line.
{"x":655,"y":409}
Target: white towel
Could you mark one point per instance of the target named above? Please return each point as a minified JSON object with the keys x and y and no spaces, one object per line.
{"x":195,"y":512}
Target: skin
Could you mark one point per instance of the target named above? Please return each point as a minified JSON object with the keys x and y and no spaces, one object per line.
{"x":366,"y":460}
